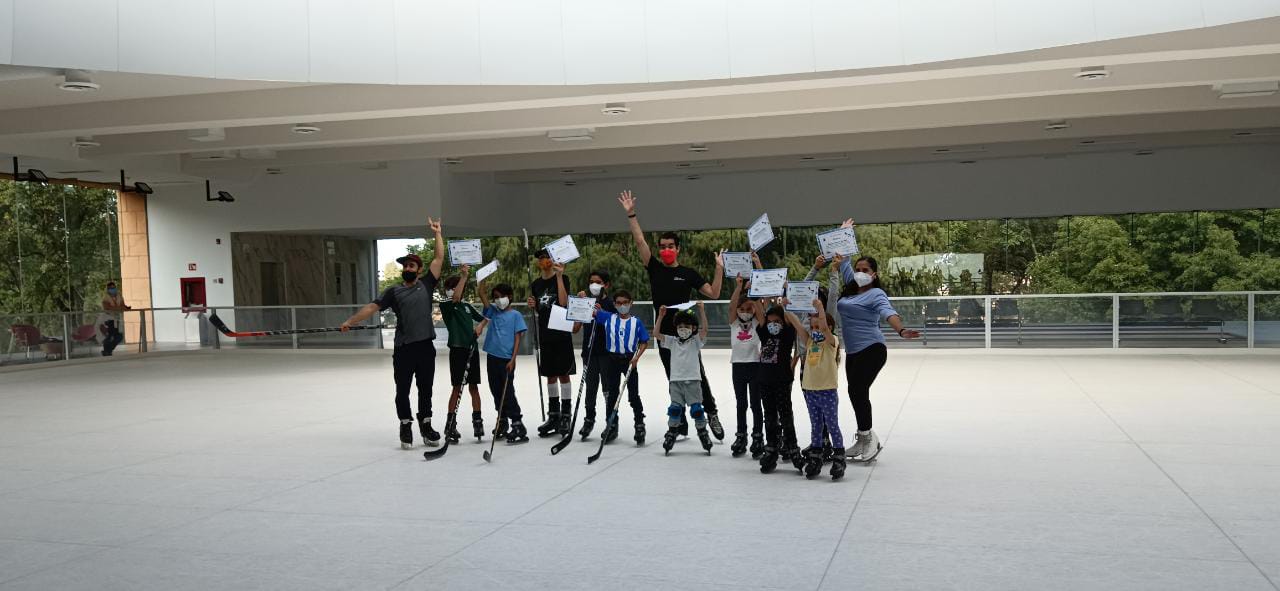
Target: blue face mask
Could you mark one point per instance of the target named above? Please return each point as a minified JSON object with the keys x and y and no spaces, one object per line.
{"x":817,"y":336}
{"x":112,"y":291}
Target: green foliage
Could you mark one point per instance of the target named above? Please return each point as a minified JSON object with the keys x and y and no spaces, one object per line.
{"x":57,"y":246}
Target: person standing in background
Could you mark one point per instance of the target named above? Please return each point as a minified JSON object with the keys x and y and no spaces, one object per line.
{"x":113,"y":307}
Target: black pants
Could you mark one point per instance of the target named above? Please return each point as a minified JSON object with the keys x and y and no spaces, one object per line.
{"x":747,"y":393}
{"x":498,"y":377}
{"x":414,"y":360}
{"x":779,"y":420}
{"x":615,"y":366}
{"x":112,"y":339}
{"x":708,"y":401}
{"x":593,"y":367}
{"x":861,"y":369}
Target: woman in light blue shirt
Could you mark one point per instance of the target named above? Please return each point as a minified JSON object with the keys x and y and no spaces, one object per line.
{"x":863,"y":304}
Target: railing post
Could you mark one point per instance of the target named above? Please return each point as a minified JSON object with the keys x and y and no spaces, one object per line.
{"x":1249,"y":326}
{"x":293,"y":325}
{"x":1115,"y":321}
{"x":142,"y":331}
{"x":987,"y":319}
{"x":66,"y":337}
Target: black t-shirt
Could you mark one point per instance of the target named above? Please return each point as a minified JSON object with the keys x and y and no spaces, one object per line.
{"x":545,"y":294}
{"x":671,"y":286}
{"x":598,"y":349}
{"x":775,"y":352}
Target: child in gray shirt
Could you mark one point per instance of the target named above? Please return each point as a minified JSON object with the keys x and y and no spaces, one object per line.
{"x":686,"y":374}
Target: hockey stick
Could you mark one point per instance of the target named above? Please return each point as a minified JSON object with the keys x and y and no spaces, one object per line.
{"x":453,"y":412}
{"x":226,"y":330}
{"x":613,"y":412}
{"x":488,"y":455}
{"x":537,"y":352}
{"x":582,"y":381}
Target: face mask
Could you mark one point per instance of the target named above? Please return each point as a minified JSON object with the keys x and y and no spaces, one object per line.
{"x":684,"y":332}
{"x":544,"y":264}
{"x":775,"y":328}
{"x":862,"y":279}
{"x":668,"y":256}
{"x":745,"y":316}
{"x":448,"y":293}
{"x":595,"y":289}
{"x":502,"y":303}
{"x":817,"y":336}
{"x":409,"y":276}
{"x":624,"y":308}
{"x":112,"y":291}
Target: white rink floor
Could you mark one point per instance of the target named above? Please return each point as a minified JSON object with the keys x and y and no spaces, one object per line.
{"x":280,"y":470}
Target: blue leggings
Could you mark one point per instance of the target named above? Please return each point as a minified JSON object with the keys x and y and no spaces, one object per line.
{"x":824,"y":411}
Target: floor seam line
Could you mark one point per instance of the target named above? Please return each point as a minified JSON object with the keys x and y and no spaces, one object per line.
{"x":1184,"y":492}
{"x":867,"y":482}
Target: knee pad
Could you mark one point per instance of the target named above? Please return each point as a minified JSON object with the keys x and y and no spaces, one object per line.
{"x":695,"y":410}
{"x":675,"y":411}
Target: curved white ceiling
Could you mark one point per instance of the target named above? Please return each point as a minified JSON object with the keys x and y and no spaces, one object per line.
{"x":559,"y":42}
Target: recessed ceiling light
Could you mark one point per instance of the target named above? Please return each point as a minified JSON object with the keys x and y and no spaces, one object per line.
{"x":698,"y":148}
{"x":212,"y":134}
{"x":616,"y":109}
{"x":274,"y":171}
{"x":954,"y":151}
{"x":452,"y":161}
{"x":571,"y":135}
{"x":306,"y":129}
{"x":77,"y":81}
{"x":570,"y":183}
{"x":702,"y":164}
{"x":1092,"y":73}
{"x":1144,"y":153}
{"x":968,"y":162}
{"x":1057,"y":126}
{"x":85,"y":142}
{"x":693,"y":177}
{"x":214,"y":156}
{"x":380,"y":165}
{"x":825,"y":169}
{"x":824,"y":158}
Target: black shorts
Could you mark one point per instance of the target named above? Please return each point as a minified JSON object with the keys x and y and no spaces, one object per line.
{"x":558,"y":358}
{"x":458,"y":364}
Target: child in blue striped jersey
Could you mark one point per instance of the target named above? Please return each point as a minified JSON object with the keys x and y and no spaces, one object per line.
{"x":625,"y":339}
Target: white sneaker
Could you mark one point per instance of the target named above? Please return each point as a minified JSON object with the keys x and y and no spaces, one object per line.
{"x":870,"y":446}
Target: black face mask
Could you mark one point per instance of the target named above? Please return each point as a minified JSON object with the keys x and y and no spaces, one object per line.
{"x":409,"y":276}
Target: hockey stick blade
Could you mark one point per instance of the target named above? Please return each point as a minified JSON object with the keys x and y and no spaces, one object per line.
{"x":436,"y":454}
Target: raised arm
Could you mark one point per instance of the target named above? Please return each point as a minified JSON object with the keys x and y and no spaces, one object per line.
{"x":438,"y":261}
{"x":717,"y":283}
{"x":562,"y":288}
{"x":802,"y":332}
{"x":629,"y":204}
{"x":736,"y":299}
{"x":818,"y":264}
{"x":462,"y":283}
{"x":702,"y":321}
{"x":482,"y":292}
{"x":822,"y":321}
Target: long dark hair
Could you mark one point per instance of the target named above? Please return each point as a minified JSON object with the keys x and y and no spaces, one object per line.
{"x":851,"y":288}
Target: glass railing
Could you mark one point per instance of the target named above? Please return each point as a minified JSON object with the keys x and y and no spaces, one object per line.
{"x":1199,"y":320}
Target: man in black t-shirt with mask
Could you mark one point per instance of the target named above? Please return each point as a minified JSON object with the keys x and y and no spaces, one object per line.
{"x":670,"y":284}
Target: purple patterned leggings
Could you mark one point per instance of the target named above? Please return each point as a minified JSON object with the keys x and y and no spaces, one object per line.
{"x":824,"y":411}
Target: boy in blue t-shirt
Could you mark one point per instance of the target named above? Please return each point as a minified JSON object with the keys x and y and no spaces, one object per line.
{"x":501,"y":342}
{"x":625,"y":340}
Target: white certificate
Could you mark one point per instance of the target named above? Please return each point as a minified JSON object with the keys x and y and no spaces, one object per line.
{"x":760,"y":233}
{"x":736,"y":263}
{"x":682,"y":307}
{"x":563,"y":250}
{"x":800,"y":295}
{"x":581,"y":309}
{"x":767,"y":283}
{"x":559,"y":320}
{"x":464,"y":252}
{"x":487,"y":270}
{"x":840,"y":241}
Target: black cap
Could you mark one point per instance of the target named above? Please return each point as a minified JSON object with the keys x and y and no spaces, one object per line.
{"x":542,"y":254}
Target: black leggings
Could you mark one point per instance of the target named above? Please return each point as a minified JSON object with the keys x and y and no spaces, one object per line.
{"x":779,"y":419}
{"x":861,"y":369}
{"x":747,"y":393}
{"x":498,"y":376}
{"x":414,"y":360}
{"x":593,"y":367}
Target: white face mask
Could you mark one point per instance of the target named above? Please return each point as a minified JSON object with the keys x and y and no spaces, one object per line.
{"x":684,"y":332}
{"x":775,"y":328}
{"x":745,"y":316}
{"x":448,"y":293}
{"x":624,"y":308}
{"x":502,"y":303}
{"x":595,"y":289}
{"x":862,"y":279}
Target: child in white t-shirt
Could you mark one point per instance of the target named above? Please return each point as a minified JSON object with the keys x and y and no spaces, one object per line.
{"x":745,"y":359}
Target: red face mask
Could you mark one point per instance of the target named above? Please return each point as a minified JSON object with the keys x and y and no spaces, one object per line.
{"x":544,"y":264}
{"x":667,"y":255}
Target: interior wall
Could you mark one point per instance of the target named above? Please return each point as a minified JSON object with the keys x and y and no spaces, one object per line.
{"x":1187,"y":179}
{"x":307,"y":269}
